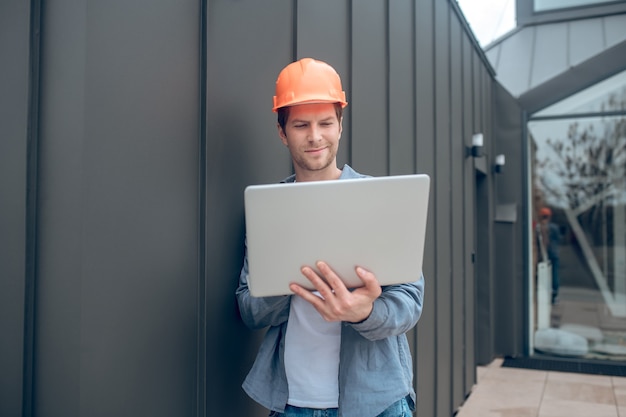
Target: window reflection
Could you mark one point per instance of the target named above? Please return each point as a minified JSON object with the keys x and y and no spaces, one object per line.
{"x":579,"y":171}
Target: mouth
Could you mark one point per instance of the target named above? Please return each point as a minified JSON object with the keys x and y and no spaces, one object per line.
{"x":316,"y":150}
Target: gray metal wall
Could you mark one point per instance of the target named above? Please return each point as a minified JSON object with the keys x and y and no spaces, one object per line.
{"x":14,"y":94}
{"x":147,"y":121}
{"x":510,"y":229}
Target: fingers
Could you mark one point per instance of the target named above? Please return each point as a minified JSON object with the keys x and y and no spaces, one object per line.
{"x":333,"y":281}
{"x":325,"y":290}
{"x":369,"y":280}
{"x":337,"y":303}
{"x":306,"y":294}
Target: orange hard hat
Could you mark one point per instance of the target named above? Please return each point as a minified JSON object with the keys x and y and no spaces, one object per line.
{"x":545,"y":211}
{"x":308,"y":81}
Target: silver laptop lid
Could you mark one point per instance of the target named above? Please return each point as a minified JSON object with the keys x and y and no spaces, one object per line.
{"x":377,"y":223}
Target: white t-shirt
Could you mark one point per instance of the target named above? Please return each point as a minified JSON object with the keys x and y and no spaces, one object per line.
{"x":311,"y":357}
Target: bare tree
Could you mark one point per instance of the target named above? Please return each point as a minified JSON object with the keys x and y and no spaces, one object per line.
{"x":590,"y":162}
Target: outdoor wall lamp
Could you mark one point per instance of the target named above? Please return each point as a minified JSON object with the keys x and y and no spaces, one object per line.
{"x":476,"y":149}
{"x":499,"y":163}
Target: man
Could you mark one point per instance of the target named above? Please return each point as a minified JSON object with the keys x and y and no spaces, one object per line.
{"x":551,"y":238}
{"x":334,"y":351}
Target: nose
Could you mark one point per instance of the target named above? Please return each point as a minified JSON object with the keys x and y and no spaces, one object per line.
{"x":315,"y":133}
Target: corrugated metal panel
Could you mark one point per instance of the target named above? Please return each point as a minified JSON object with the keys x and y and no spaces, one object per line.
{"x":401,"y":87}
{"x":248,"y":43}
{"x":614,"y":30}
{"x":469,"y":221}
{"x":457,"y":156}
{"x":15,"y":258}
{"x":554,"y":54}
{"x":441,"y":186}
{"x":586,"y":38}
{"x":516,"y":60}
{"x":328,"y":42}
{"x":117,"y":239}
{"x":369,"y":84}
{"x":426,"y":366}
{"x":549,"y":54}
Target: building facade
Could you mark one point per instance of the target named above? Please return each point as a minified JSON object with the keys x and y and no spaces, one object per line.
{"x":129,"y":131}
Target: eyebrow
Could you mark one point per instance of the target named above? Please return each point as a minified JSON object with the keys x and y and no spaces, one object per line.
{"x":296,"y":120}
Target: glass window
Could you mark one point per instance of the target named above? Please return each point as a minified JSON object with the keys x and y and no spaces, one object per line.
{"x":579,"y":232}
{"x":543,"y":5}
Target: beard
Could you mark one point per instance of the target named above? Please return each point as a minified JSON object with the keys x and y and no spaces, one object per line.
{"x":312,"y":164}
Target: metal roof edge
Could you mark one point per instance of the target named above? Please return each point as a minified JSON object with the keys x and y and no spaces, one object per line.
{"x":595,"y":69}
{"x":554,"y":21}
{"x":468,"y":30}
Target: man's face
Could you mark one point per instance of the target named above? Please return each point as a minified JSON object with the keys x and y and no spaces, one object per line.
{"x":312,"y":134}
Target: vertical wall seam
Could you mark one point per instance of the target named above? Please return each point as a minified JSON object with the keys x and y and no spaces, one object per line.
{"x":350,"y":70}
{"x":462,"y":182}
{"x":294,"y":30}
{"x":32,"y":181}
{"x":450,"y":184}
{"x":414,"y":80}
{"x":450,"y":199}
{"x":434,"y":188}
{"x":388,"y":79}
{"x":201,"y":372}
{"x":294,"y":44}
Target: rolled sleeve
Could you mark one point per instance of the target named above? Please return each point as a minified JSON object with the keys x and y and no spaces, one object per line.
{"x":396,"y":311}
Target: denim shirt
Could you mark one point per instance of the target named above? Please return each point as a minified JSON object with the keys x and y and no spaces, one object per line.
{"x":375,"y":365}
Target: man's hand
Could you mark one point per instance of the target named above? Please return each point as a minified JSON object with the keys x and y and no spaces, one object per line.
{"x":337,"y":302}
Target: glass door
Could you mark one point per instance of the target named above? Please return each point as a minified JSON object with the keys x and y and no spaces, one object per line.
{"x":578,"y":168}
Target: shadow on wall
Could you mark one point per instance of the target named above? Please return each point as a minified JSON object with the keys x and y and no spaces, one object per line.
{"x":231,"y":164}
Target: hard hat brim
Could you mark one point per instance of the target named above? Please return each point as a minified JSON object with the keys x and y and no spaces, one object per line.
{"x":311,"y":101}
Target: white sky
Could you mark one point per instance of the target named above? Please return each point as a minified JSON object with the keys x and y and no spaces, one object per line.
{"x":489,"y":19}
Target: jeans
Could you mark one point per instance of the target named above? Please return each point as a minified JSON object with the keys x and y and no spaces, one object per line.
{"x":397,"y":409}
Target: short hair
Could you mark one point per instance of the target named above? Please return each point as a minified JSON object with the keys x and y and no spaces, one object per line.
{"x":283,"y":114}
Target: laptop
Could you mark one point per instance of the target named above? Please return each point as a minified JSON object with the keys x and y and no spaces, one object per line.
{"x":378,"y":223}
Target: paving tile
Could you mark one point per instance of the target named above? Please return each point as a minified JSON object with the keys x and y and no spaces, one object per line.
{"x":600,"y":389}
{"x":619,"y":381}
{"x":512,"y":392}
{"x":603,"y":380}
{"x":564,"y":408}
{"x":499,"y":412}
{"x":516,"y":374}
{"x":579,"y":392}
{"x":498,"y":398}
{"x":620,"y":396}
{"x":481,"y":371}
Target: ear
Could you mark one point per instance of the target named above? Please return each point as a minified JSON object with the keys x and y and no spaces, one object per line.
{"x":281,"y":134}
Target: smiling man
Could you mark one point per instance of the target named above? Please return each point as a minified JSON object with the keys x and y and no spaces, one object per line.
{"x":332,"y":352}
{"x":312,"y":133}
